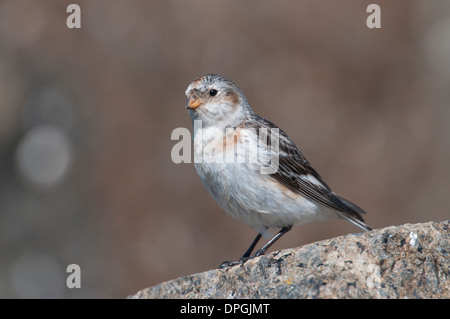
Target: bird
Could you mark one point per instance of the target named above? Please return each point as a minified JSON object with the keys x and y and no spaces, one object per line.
{"x":232,"y":145}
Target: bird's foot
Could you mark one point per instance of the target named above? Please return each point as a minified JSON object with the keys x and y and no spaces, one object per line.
{"x":241,"y":260}
{"x":227,"y":263}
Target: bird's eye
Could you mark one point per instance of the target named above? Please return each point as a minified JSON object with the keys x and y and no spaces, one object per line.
{"x":213,"y":92}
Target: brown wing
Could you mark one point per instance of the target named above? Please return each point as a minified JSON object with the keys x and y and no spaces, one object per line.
{"x":297,"y":174}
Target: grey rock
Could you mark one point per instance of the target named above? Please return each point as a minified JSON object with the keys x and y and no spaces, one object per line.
{"x":407,"y":261}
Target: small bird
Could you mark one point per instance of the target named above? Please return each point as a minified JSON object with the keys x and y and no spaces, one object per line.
{"x":230,"y":151}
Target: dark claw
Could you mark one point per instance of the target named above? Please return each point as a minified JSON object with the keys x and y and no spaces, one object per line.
{"x":227,"y":263}
{"x":241,"y":261}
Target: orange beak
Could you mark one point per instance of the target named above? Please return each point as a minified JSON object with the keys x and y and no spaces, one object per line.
{"x":193,"y":103}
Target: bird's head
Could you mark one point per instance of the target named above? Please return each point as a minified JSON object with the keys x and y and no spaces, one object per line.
{"x":217,"y":101}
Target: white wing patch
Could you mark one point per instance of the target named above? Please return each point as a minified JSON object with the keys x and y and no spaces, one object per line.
{"x":312,"y":180}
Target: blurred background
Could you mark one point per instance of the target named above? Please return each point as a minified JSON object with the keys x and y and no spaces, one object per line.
{"x":86,"y":117}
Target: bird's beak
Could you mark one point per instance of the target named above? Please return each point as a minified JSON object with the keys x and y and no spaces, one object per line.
{"x":193,"y":103}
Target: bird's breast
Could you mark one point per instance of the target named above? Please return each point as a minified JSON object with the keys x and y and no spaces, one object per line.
{"x":230,"y":145}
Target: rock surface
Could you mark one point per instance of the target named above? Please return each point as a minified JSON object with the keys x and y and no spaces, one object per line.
{"x":408,"y":261}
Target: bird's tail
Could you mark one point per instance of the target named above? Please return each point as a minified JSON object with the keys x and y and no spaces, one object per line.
{"x":359,"y":223}
{"x":353,"y":214}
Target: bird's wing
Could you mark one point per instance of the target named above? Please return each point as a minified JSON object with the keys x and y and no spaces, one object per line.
{"x":297,"y":174}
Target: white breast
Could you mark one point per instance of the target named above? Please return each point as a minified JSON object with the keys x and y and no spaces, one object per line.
{"x":229,"y":166}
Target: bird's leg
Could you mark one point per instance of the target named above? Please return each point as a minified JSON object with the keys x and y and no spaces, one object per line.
{"x":245,"y":256}
{"x":252,"y":246}
{"x":260,"y":252}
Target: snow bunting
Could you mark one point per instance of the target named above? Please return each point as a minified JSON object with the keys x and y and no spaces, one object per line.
{"x":230,"y":154}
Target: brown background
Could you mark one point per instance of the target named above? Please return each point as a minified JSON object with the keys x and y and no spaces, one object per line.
{"x":369,"y":108}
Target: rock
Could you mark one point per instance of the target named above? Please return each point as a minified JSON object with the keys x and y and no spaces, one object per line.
{"x":408,"y":261}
